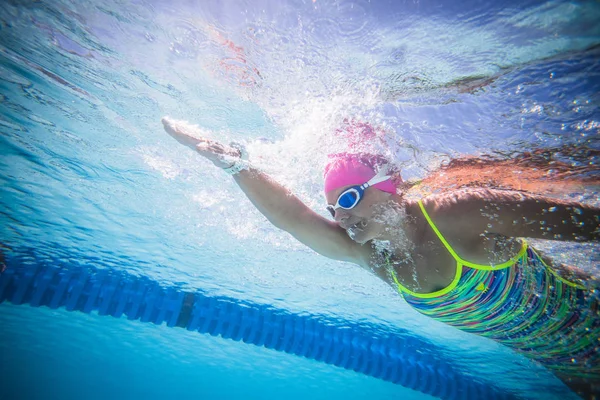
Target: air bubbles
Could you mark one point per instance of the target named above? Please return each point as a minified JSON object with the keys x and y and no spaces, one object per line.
{"x":186,"y":39}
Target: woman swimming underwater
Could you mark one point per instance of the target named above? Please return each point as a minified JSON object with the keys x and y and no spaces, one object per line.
{"x":457,"y":257}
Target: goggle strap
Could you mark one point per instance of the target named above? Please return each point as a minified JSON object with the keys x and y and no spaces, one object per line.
{"x":375,"y":180}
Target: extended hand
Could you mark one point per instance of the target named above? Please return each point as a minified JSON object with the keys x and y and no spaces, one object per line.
{"x":193,"y":137}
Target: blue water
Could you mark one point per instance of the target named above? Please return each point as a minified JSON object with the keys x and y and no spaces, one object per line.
{"x":88,"y":175}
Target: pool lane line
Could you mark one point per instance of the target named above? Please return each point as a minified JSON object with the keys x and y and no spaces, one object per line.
{"x":399,"y":357}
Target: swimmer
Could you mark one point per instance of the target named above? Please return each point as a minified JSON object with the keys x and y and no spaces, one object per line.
{"x":460,"y":257}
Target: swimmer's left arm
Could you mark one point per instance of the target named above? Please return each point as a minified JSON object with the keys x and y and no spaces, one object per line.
{"x":516,"y":214}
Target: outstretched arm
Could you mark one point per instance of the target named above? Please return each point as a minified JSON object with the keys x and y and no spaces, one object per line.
{"x":275,"y":202}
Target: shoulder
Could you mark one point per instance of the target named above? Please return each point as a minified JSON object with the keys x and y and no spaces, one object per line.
{"x":466,"y":211}
{"x":467,"y":198}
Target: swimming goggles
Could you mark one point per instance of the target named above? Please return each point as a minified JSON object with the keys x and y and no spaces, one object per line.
{"x":352,"y":196}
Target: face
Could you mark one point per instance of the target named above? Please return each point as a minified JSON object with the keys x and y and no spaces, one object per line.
{"x":361,"y":222}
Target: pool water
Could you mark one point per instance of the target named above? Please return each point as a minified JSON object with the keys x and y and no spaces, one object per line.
{"x":90,"y":178}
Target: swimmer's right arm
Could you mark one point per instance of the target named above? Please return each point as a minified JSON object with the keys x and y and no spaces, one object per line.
{"x":287,"y":212}
{"x":282,"y":208}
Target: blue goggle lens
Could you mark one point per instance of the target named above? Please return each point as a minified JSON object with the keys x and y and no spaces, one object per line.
{"x":348,"y":199}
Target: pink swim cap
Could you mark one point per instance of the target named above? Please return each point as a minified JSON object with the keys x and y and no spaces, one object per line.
{"x":346,"y":169}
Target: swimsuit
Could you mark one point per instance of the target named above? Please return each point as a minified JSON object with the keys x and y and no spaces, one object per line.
{"x":523,"y":304}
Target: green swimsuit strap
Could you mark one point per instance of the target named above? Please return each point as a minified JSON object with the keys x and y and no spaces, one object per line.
{"x":459,"y":263}
{"x":458,"y":259}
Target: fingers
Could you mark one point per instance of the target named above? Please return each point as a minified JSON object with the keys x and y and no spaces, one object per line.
{"x":182,"y":132}
{"x":206,"y":147}
{"x":211,"y":146}
{"x":193,"y":137}
{"x":169,"y":125}
{"x":220,"y":155}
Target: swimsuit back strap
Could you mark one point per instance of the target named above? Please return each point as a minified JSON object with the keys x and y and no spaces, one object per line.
{"x":522,"y":253}
{"x":440,"y":236}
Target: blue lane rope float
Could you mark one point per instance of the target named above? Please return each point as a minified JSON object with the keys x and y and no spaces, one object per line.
{"x":396,"y":357}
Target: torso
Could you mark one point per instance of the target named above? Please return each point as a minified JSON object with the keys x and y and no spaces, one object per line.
{"x":507,"y":293}
{"x":526,"y":306}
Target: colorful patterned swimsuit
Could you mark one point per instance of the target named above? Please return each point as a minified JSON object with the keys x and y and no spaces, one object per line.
{"x":523,"y":304}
